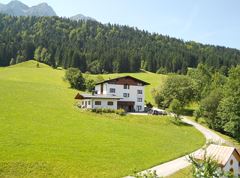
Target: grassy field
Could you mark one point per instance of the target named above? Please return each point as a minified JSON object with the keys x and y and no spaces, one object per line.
{"x":44,"y":135}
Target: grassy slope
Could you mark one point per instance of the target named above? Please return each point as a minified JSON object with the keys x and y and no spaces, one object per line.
{"x":43,"y":135}
{"x":152,"y":78}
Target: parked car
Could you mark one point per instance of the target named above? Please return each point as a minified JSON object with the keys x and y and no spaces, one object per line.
{"x":155,"y":111}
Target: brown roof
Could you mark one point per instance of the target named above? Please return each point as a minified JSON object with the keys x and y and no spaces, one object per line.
{"x":221,"y":154}
{"x":128,"y":76}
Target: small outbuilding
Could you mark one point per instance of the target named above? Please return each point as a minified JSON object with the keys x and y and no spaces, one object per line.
{"x":227,"y":157}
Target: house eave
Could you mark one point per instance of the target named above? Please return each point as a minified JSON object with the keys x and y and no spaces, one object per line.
{"x":140,"y":81}
{"x":87,"y":96}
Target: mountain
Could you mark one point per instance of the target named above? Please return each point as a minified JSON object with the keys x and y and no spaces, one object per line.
{"x":42,"y":9}
{"x":17,"y":8}
{"x":79,"y":17}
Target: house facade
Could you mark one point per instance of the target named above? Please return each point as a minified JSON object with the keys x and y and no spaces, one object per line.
{"x":119,"y":93}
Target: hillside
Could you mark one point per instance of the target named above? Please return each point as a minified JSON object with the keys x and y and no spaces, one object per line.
{"x":98,"y":48}
{"x":44,"y":135}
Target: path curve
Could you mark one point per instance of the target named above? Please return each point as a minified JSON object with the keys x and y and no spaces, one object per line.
{"x":173,"y":166}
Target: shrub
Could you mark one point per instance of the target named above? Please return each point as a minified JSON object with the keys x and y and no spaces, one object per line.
{"x":149,"y":105}
{"x":147,"y":174}
{"x":75,"y":78}
{"x":120,"y":112}
{"x":197,"y":114}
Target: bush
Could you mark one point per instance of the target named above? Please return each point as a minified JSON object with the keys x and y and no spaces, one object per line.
{"x":75,"y":78}
{"x":197,"y":114}
{"x":120,"y":112}
{"x":149,"y":105}
{"x":147,"y":174}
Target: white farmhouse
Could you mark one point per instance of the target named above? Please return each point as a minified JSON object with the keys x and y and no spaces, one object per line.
{"x":227,"y":157}
{"x":119,"y":93}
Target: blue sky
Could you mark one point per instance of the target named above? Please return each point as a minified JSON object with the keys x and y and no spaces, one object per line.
{"x":207,"y":21}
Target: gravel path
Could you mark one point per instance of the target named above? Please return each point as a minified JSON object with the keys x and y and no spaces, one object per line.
{"x":171,"y":167}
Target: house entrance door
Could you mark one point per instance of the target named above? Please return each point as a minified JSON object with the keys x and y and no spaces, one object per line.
{"x":128,"y":106}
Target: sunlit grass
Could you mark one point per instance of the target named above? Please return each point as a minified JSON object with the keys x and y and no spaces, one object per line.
{"x":44,"y":135}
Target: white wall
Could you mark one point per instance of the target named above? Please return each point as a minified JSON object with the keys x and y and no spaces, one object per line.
{"x":104,"y":103}
{"x":234,"y":166}
{"x":119,"y":90}
{"x":133,"y":96}
{"x":98,"y":89}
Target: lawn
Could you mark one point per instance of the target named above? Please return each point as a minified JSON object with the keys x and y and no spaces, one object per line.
{"x":44,"y":135}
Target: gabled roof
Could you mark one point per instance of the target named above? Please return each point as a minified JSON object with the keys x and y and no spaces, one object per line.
{"x":128,"y":76}
{"x":96,"y":96}
{"x":221,"y":154}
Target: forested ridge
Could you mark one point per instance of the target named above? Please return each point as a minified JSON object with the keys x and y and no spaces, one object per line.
{"x":103,"y":48}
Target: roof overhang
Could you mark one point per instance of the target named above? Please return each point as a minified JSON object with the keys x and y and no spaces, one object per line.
{"x":128,"y":76}
{"x":88,"y":96}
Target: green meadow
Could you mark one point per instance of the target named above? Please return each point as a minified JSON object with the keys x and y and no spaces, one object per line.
{"x":43,"y":133}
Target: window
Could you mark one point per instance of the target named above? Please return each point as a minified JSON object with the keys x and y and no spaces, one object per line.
{"x":126,"y":95}
{"x":89,"y":102}
{"x":139,"y":99}
{"x":139,"y":92}
{"x":110,"y":103}
{"x":85,"y":103}
{"x":231,"y":162}
{"x":139,"y":108}
{"x":126,"y":86}
{"x":98,"y":102}
{"x":112,"y":90}
{"x":82,"y":102}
